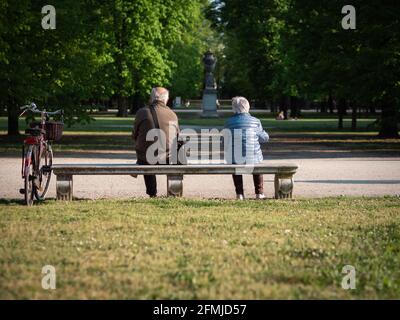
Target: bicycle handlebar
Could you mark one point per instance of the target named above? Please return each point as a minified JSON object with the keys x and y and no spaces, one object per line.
{"x":54,"y":112}
{"x":33,"y":108}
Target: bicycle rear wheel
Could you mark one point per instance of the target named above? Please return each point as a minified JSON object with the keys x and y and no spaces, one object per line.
{"x":28,"y":176}
{"x":45,"y":163}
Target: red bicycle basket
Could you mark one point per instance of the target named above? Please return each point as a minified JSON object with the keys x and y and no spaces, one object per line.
{"x":53,"y":129}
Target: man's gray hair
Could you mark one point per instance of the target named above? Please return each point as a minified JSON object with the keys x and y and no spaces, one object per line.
{"x":159,"y":94}
{"x":240,"y":105}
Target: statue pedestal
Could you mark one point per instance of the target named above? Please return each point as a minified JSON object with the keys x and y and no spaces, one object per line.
{"x":209,"y":104}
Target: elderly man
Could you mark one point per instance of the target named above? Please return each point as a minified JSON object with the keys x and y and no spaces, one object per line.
{"x":160,"y":117}
{"x":247,"y":134}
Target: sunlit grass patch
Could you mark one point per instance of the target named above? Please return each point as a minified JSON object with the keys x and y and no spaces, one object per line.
{"x":184,"y":248}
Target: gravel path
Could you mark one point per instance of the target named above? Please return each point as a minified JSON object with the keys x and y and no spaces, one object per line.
{"x":319,"y":175}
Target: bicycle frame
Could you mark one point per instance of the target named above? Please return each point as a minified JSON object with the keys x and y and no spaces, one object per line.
{"x":34,"y":140}
{"x":27,"y":158}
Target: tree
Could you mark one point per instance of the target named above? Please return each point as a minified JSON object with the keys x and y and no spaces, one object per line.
{"x":298,"y":49}
{"x":252,"y":33}
{"x":51,"y":67}
{"x":187,"y":51}
{"x":152,"y":47}
{"x":359,"y":65}
{"x":99,"y":50}
{"x":14,"y":25}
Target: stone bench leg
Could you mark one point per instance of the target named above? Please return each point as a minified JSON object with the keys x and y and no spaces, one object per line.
{"x":175,"y":185}
{"x":64,"y":187}
{"x":283,"y":186}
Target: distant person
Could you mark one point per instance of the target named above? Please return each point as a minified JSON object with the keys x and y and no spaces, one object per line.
{"x":252,"y":135}
{"x":166,"y":120}
{"x":280,"y":116}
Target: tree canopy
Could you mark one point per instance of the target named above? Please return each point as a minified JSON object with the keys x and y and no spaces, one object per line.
{"x":298,"y":49}
{"x":99,"y":50}
{"x":270,"y":51}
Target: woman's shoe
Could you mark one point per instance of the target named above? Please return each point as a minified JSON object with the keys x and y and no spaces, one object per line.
{"x":261,"y":196}
{"x":240,"y":197}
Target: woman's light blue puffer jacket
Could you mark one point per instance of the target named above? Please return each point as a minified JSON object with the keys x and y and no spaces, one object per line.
{"x":247,"y":134}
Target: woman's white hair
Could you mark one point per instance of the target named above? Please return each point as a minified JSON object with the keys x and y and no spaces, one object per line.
{"x":240,"y":105}
{"x":159,"y":94}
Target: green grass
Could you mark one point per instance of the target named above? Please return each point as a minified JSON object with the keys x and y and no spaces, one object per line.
{"x":124,"y":125}
{"x":100,"y":142}
{"x":313,"y":125}
{"x":111,"y":133}
{"x":175,"y":248}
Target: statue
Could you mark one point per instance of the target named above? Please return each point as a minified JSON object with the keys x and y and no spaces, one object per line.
{"x":209,"y":104}
{"x":209,"y":61}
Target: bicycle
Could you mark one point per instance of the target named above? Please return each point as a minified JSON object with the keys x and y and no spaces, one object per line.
{"x":37,"y":153}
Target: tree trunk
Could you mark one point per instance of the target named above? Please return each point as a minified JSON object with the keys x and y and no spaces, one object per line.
{"x":324,"y":104}
{"x":372,"y":110}
{"x":340,"y":123}
{"x":121,"y":105}
{"x":284,"y":106}
{"x":294,"y":107}
{"x":134,"y":104}
{"x":341,"y":112}
{"x":389,"y":127}
{"x":330,"y":103}
{"x":13,"y":113}
{"x":273,"y":106}
{"x":354,"y":118}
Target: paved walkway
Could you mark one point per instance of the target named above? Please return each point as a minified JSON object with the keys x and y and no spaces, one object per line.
{"x":322,"y":173}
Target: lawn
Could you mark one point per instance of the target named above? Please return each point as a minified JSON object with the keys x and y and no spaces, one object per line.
{"x":112,"y":133}
{"x":186,"y":249}
{"x":124,"y":125}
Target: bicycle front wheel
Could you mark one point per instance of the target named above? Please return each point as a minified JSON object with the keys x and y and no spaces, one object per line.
{"x":44,"y":177}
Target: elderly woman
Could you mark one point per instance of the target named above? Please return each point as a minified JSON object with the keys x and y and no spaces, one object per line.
{"x":247,"y":134}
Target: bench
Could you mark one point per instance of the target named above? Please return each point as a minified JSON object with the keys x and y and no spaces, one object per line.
{"x":65,"y":172}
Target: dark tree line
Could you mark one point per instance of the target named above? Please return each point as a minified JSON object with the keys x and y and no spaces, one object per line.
{"x":284,"y":53}
{"x":290,"y":51}
{"x":100,"y":51}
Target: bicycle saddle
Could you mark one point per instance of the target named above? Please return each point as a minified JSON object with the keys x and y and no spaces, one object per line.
{"x":35,"y":131}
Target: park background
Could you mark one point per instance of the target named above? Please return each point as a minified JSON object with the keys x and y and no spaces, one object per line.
{"x":338,"y":89}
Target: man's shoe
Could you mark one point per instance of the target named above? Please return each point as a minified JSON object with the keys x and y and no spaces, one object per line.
{"x":153,"y":196}
{"x":261,"y":196}
{"x":240,"y":197}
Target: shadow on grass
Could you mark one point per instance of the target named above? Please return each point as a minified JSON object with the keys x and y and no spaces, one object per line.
{"x":20,"y":202}
{"x":121,"y":146}
{"x":75,"y":142}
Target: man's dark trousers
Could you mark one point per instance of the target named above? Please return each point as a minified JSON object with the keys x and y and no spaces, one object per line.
{"x":150,"y":180}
